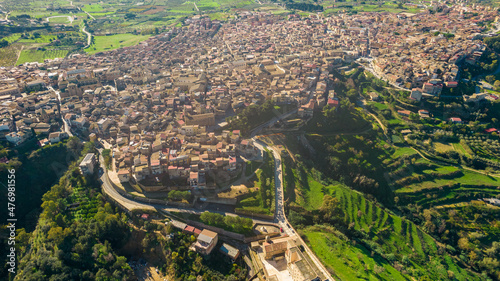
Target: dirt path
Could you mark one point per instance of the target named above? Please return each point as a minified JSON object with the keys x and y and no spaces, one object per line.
{"x":89,"y":37}
{"x":19,"y":55}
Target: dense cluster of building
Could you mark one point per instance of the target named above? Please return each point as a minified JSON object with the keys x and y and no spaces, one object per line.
{"x":162,"y":104}
{"x":422,"y":51}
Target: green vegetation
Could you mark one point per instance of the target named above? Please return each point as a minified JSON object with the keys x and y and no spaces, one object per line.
{"x":92,"y":8}
{"x":177,"y":195}
{"x":106,"y":154}
{"x":40,"y":55}
{"x":252,"y":116}
{"x":184,"y":264}
{"x":12,"y":38}
{"x":77,"y":233}
{"x":106,"y":43}
{"x":8,"y":55}
{"x":345,"y":119}
{"x":229,"y":223}
{"x":263,"y":200}
{"x":396,"y":245}
{"x":250,"y":167}
{"x":347,"y":259}
{"x":40,"y":169}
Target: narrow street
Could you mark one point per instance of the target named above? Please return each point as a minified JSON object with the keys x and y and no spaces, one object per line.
{"x":65,"y":124}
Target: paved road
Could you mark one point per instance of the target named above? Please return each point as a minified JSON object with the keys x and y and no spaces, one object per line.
{"x":280,"y":216}
{"x":66,"y":126}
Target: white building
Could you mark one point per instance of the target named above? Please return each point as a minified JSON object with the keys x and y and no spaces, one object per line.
{"x":88,"y":164}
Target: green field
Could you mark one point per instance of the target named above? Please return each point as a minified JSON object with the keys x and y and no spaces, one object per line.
{"x":40,"y":56}
{"x":390,"y":237}
{"x":12,"y":38}
{"x":379,"y":106}
{"x":93,"y":8}
{"x":107,"y":43}
{"x":468,"y":178}
{"x":403,"y":151}
{"x":60,"y":20}
{"x":345,"y":260}
{"x":44,"y":38}
{"x":313,"y":196}
{"x":460,"y":149}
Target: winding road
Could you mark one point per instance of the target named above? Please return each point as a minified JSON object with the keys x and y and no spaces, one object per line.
{"x":130,"y":204}
{"x":89,"y":37}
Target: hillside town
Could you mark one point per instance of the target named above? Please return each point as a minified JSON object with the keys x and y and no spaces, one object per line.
{"x":162,"y":106}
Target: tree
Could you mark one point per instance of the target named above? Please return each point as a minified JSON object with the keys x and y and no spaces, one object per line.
{"x":497,"y":84}
{"x":130,"y":16}
{"x":414,"y":117}
{"x":330,"y":209}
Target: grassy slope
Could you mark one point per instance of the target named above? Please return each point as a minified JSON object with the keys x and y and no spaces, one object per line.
{"x":348,"y":261}
{"x":390,"y":232}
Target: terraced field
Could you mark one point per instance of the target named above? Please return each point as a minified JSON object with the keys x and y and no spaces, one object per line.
{"x":432,"y":185}
{"x":390,"y":237}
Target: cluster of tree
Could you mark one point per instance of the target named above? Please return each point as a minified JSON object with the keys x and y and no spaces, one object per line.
{"x":455,"y":228}
{"x":352,"y":160}
{"x":177,"y":195}
{"x":493,"y":43}
{"x":40,"y":168}
{"x":72,"y":248}
{"x":304,"y":7}
{"x":345,"y":118}
{"x":153,"y":31}
{"x":266,"y":179}
{"x":252,"y":116}
{"x":487,"y":63}
{"x":106,"y":154}
{"x":447,"y":35}
{"x":329,"y":212}
{"x":230,"y":223}
{"x":183,"y":264}
{"x":4,"y":43}
{"x":130,"y":16}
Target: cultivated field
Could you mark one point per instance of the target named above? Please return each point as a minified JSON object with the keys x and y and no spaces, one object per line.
{"x":40,"y":56}
{"x":107,"y":43}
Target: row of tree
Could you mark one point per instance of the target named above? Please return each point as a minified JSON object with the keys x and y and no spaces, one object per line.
{"x":230,"y":223}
